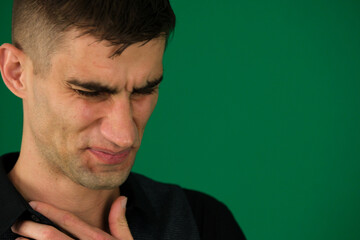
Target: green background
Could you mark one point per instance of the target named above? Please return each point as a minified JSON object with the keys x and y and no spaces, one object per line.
{"x":259,"y":108}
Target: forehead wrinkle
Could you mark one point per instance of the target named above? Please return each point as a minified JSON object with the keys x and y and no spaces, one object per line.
{"x":86,"y":52}
{"x":80,"y":43}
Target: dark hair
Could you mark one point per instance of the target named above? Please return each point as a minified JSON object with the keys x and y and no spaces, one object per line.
{"x":38,"y":25}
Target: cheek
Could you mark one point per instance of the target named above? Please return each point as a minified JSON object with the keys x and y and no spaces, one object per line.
{"x":65,"y":120}
{"x":42,"y":115}
{"x":85,"y":113}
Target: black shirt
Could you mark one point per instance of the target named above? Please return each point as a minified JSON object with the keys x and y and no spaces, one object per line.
{"x":212,"y":220}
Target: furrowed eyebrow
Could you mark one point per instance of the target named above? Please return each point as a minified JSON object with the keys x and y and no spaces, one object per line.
{"x":149,"y":85}
{"x":93,"y":86}
{"x":97,"y":87}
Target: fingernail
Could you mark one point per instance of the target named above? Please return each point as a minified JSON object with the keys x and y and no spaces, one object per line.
{"x":123,"y":203}
{"x":33,"y":204}
{"x":13,"y":227}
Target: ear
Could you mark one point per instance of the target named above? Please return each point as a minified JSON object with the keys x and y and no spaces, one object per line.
{"x":12,"y":61}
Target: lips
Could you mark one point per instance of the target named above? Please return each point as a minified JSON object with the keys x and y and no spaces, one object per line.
{"x":109,"y":157}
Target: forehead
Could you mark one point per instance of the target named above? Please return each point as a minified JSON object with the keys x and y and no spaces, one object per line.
{"x":86,"y":57}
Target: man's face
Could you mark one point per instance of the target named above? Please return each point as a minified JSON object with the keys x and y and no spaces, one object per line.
{"x":86,"y":116}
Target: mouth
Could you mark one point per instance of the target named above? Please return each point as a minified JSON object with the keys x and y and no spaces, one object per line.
{"x":110,"y":157}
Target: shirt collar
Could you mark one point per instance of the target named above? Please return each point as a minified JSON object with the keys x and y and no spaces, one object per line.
{"x":12,"y":204}
{"x":137,"y":199}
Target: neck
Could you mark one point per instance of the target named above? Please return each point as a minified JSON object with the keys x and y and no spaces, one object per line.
{"x":36,"y":183}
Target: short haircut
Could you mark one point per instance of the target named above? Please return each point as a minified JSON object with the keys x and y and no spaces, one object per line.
{"x":38,"y":26}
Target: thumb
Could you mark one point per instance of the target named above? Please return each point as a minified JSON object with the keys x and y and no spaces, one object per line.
{"x":117,"y":222}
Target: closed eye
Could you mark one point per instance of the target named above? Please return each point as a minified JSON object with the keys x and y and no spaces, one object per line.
{"x":87,"y":93}
{"x":90,"y":89}
{"x":96,"y":89}
{"x":145,"y":91}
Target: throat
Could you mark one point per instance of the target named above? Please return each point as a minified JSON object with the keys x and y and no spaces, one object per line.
{"x":91,"y":206}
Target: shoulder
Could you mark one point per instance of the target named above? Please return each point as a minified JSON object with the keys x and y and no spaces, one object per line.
{"x":213,"y":218}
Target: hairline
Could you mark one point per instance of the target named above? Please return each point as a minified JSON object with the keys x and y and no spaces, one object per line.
{"x":63,"y":40}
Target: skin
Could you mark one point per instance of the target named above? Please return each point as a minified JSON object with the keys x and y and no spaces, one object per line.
{"x":74,"y":226}
{"x":68,"y":137}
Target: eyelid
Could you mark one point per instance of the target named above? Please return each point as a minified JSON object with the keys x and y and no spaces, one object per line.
{"x":93,"y":93}
{"x":77,"y":88}
{"x":146,"y":90}
{"x":88,"y":93}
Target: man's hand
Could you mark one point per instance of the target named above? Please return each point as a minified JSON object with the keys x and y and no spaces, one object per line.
{"x":118,"y":226}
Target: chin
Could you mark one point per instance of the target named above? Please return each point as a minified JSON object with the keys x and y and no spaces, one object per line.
{"x":105,"y":181}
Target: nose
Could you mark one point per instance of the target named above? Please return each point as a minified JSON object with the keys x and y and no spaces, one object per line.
{"x":118,"y":125}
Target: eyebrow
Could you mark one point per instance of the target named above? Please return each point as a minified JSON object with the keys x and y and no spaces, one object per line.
{"x":98,"y":87}
{"x":149,"y":85}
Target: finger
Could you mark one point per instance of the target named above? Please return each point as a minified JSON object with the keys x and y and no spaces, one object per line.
{"x":37,"y":231}
{"x":69,"y":222}
{"x":118,"y":225}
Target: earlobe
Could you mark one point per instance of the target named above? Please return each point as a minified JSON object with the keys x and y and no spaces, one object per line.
{"x":11,"y":66}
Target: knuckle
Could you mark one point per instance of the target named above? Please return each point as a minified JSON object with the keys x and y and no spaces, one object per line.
{"x":67,"y":219}
{"x":48,"y":233}
{"x":99,"y":236}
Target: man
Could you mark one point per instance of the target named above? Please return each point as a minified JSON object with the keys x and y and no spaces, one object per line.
{"x":88,"y":73}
